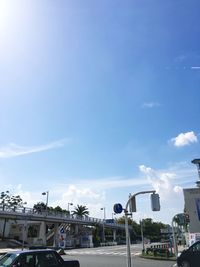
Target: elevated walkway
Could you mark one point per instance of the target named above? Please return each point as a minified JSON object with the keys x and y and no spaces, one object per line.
{"x":29,"y":214}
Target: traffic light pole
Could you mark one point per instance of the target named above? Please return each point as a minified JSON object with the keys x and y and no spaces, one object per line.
{"x":174,"y":238}
{"x":128,"y":250}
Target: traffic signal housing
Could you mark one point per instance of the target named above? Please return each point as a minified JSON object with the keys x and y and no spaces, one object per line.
{"x":155,"y":202}
{"x":180,"y":218}
{"x":132,"y":204}
{"x":187,"y":218}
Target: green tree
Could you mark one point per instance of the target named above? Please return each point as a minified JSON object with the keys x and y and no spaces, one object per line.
{"x":135,"y":226}
{"x":152,"y":229}
{"x":59,"y":209}
{"x":121,"y":220}
{"x":81,"y":211}
{"x":11,"y":200}
{"x":39,"y":207}
{"x":32,"y":231}
{"x":96,"y":235}
{"x":5,"y":196}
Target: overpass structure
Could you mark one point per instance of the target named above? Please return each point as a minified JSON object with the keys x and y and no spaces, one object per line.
{"x":58,"y":219}
{"x":30,"y":214}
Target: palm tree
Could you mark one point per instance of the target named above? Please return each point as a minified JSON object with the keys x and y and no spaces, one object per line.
{"x":80,"y":210}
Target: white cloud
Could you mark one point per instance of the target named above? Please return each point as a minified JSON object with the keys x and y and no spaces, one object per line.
{"x":171,"y":194}
{"x":13,"y":150}
{"x":161,"y":181}
{"x":92,"y":193}
{"x":184,"y":139}
{"x":117,"y":182}
{"x":150,"y":105}
{"x":84,"y":195}
{"x":195,"y":67}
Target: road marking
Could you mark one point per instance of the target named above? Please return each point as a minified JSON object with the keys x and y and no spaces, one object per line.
{"x":100,"y":252}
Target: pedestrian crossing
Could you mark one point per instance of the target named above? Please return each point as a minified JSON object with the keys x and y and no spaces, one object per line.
{"x":100,"y":252}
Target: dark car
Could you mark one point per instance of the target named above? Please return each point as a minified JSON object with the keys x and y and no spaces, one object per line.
{"x":36,"y":258}
{"x":190,"y":257}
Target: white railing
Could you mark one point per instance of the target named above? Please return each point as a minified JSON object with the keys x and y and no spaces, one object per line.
{"x":55,"y":214}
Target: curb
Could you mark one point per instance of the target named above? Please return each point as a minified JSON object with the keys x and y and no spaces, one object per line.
{"x":157,"y":258}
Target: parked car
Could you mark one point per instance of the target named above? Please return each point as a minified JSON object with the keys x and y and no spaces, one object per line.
{"x":36,"y":258}
{"x":190,"y":257}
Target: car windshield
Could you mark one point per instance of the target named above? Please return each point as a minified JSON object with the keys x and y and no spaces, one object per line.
{"x":7,"y":259}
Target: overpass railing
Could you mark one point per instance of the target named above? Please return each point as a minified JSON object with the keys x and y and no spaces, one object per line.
{"x":62,"y":216}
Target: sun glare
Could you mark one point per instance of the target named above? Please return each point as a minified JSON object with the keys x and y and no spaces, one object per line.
{"x":6,"y":15}
{"x":4,"y":10}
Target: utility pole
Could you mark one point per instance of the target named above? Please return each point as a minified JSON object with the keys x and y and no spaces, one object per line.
{"x":142,"y":235}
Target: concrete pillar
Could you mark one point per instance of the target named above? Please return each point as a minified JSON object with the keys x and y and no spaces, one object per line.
{"x":42,"y":233}
{"x":77,"y":236}
{"x":114,"y":235}
{"x":24,"y":233}
{"x":55,"y":238}
{"x":76,"y":229}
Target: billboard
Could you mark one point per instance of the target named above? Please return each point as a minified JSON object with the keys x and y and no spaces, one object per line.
{"x":192,"y":207}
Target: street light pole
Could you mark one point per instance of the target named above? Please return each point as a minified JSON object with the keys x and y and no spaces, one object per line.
{"x":47,"y":194}
{"x":104,"y":213}
{"x":104,"y":220}
{"x":69,"y":203}
{"x":128,"y":250}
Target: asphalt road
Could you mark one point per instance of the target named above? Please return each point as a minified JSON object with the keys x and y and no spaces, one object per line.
{"x":117,"y":261}
{"x":113,"y":257}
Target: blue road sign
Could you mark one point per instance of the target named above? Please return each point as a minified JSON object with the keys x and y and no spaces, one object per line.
{"x":117,"y":208}
{"x":62,"y":231}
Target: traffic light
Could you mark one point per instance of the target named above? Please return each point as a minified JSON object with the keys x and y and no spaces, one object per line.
{"x":187,"y":218}
{"x":132,"y":204}
{"x":180,"y":218}
{"x":155,"y":202}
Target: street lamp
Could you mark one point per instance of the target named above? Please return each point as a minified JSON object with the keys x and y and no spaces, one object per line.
{"x":104,"y":220}
{"x":69,"y":203}
{"x":24,"y":208}
{"x":47,"y":194}
{"x":104,"y":213}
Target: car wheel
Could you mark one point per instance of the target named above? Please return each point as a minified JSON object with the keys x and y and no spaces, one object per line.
{"x":185,"y":264}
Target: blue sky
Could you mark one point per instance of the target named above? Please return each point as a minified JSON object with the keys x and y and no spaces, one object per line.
{"x":99,"y":99}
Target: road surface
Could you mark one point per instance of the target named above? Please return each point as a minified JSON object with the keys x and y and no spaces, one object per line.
{"x":113,"y":257}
